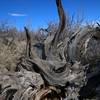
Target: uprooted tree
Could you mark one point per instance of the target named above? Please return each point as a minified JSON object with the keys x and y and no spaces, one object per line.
{"x":57,"y":69}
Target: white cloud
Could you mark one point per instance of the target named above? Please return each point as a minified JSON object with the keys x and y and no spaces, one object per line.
{"x":17,"y":14}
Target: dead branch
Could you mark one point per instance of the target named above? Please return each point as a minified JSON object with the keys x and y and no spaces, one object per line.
{"x":62,"y":19}
{"x":37,"y":77}
{"x":28,"y":46}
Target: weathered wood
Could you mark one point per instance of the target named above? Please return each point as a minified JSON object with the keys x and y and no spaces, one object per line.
{"x":62,"y":19}
{"x":64,"y":68}
{"x":28,"y":46}
{"x":19,"y":85}
{"x":81,"y":47}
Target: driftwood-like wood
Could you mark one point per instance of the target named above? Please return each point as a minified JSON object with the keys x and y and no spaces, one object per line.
{"x":61,"y":27}
{"x":28,"y":46}
{"x":57,"y":70}
{"x":84,"y":46}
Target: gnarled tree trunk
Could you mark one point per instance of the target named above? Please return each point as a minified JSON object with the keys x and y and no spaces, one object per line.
{"x":70,"y":68}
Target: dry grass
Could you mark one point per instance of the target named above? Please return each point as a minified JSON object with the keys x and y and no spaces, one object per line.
{"x":9,"y":55}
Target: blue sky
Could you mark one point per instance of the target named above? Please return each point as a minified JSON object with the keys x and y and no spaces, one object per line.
{"x":39,"y":13}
